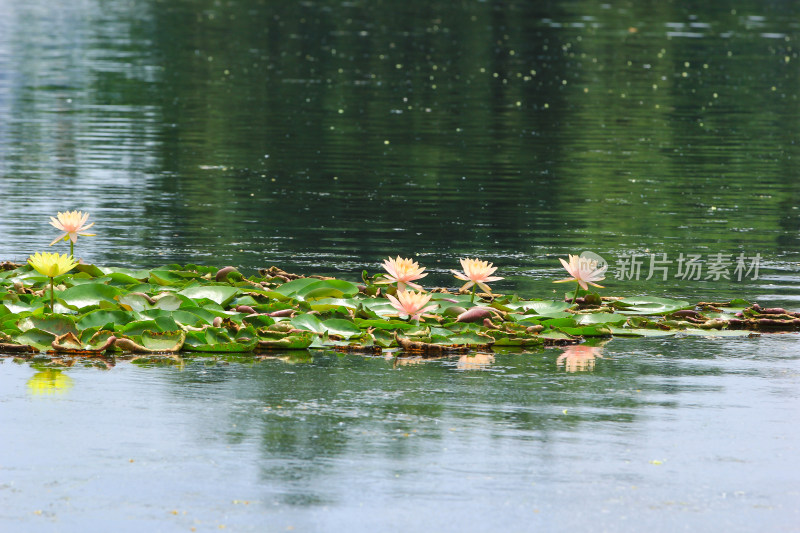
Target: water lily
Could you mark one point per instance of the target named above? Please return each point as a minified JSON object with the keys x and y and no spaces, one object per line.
{"x":403,"y":271}
{"x":51,"y":265}
{"x":411,"y":303}
{"x":72,"y":223}
{"x":476,"y":273}
{"x":584,"y":271}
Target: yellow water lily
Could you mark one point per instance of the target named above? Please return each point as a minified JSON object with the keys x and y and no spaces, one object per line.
{"x":476,"y":273}
{"x":72,"y":223}
{"x":51,"y":265}
{"x":403,"y":271}
{"x":411,"y":303}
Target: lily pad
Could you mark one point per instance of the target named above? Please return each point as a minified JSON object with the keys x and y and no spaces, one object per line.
{"x":307,"y":322}
{"x":220,"y":294}
{"x":55,"y":324}
{"x":87,"y":294}
{"x":163,"y":341}
{"x":601,"y":318}
{"x":293,"y":341}
{"x":647,"y":305}
{"x":38,"y":338}
{"x":218,"y":340}
{"x":341,"y":327}
{"x":328,"y":288}
{"x":291,"y":288}
{"x":103,"y":318}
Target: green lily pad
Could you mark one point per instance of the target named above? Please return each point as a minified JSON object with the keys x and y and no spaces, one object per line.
{"x":601,"y":318}
{"x":163,"y":341}
{"x":218,"y":340}
{"x":328,"y":288}
{"x":220,"y":294}
{"x":647,"y":305}
{"x":55,"y":324}
{"x":291,"y":288}
{"x":294,"y":341}
{"x":138,"y":275}
{"x":38,"y":338}
{"x":379,"y":324}
{"x":502,"y":338}
{"x":341,"y":327}
{"x":554,"y":335}
{"x":307,"y":322}
{"x":588,"y":330}
{"x":546,"y":308}
{"x":88,"y":294}
{"x":91,"y":270}
{"x":171,"y":278}
{"x":466,"y":338}
{"x":103,"y":317}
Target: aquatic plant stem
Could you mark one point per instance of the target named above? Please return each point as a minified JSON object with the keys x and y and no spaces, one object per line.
{"x":472,"y":298}
{"x":575,"y":298}
{"x":72,"y":249}
{"x":52,"y":298}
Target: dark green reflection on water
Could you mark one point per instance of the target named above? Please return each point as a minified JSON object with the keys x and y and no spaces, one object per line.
{"x":324,"y":136}
{"x":311,"y":419}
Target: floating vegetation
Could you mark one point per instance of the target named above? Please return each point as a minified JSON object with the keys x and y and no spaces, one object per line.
{"x":144,"y":314}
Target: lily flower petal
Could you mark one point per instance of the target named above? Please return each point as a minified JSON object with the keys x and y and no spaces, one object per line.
{"x":476,"y":271}
{"x":583,"y":270}
{"x":402,"y":271}
{"x":411,"y":303}
{"x":72,"y":223}
{"x":52,"y":265}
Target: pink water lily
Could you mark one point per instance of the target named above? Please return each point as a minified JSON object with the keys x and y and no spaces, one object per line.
{"x":476,"y":272}
{"x":403,"y":271}
{"x":411,"y":303}
{"x":72,"y":223}
{"x":584,"y":271}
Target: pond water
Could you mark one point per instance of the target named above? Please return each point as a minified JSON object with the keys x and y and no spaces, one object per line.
{"x":323,"y":136}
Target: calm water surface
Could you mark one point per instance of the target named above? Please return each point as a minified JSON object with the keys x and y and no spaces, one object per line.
{"x":323,"y":136}
{"x":666,"y":435}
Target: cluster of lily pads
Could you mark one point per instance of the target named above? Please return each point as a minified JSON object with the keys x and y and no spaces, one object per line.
{"x":56,"y":305}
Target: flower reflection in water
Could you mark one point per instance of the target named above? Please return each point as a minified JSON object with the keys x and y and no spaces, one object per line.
{"x":477,"y":361}
{"x":579,"y":358}
{"x":473,"y":361}
{"x":49,"y":382}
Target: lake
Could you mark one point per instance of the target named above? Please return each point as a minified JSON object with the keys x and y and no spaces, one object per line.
{"x":323,"y":137}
